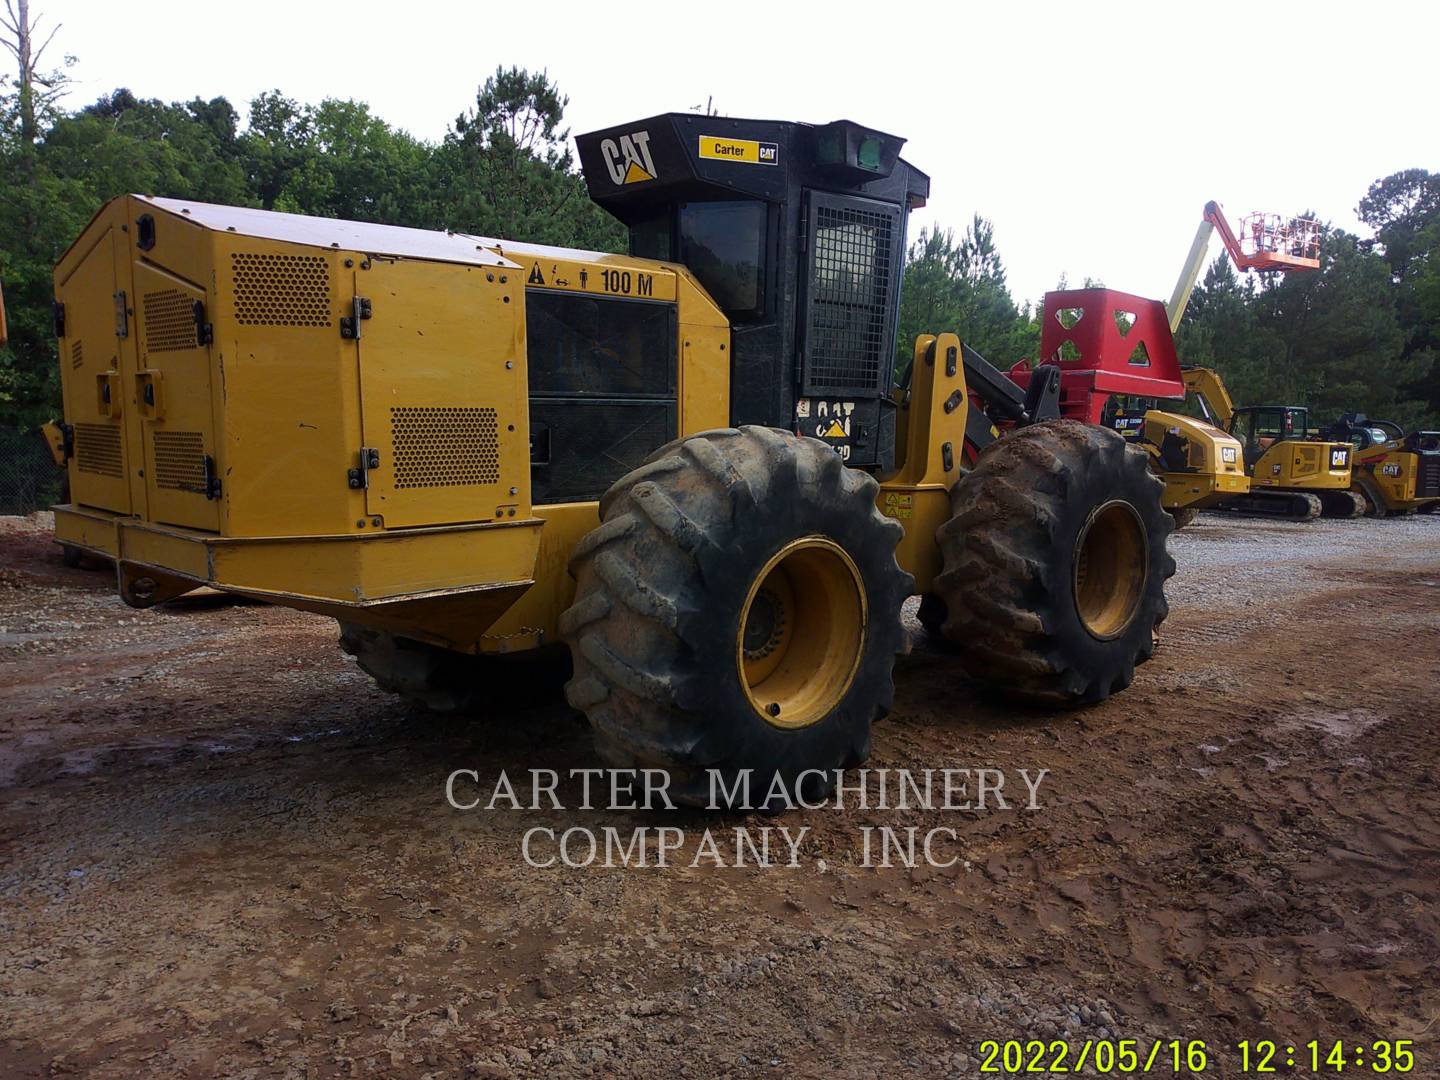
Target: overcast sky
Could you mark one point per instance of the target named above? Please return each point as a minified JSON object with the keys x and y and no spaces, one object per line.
{"x":1090,"y":134}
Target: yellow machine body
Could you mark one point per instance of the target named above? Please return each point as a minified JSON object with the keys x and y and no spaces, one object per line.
{"x":1282,"y":464}
{"x":335,"y":416}
{"x":1397,"y":476}
{"x":1200,"y":464}
{"x":1300,"y":465}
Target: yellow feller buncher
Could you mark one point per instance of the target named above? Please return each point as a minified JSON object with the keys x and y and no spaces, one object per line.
{"x":417,"y":433}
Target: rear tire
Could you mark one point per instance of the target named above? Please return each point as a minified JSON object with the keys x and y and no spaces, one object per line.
{"x":714,"y":623}
{"x":1183,"y":516}
{"x":1055,"y":564}
{"x":453,"y":683}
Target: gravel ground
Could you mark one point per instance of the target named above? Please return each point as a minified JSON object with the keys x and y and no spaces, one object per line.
{"x":224,"y":852}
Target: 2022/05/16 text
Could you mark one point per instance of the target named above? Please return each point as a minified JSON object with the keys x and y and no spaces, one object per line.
{"x":1193,"y":1057}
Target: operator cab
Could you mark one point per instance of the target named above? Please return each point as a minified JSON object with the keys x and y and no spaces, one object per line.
{"x":1260,"y":427}
{"x":797,"y":232}
{"x":1362,"y":433}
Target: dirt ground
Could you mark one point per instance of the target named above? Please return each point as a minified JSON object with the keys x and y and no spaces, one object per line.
{"x":223,"y":852}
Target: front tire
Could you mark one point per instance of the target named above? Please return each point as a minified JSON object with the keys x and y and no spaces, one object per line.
{"x":738,"y":608}
{"x":1055,"y":564}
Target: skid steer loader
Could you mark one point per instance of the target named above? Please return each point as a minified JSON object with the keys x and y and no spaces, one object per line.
{"x":419,"y":433}
{"x":1393,"y":472}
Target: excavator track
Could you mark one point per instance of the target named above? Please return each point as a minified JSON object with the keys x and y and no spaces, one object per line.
{"x":1342,"y":504}
{"x":1285,"y":505}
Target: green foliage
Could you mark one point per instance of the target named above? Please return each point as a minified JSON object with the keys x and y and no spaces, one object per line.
{"x":504,"y":170}
{"x":960,"y":286}
{"x":1404,"y":211}
{"x":1362,"y":334}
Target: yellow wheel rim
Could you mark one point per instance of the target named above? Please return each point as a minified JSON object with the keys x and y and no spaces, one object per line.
{"x":802,"y":631}
{"x":1111,"y":555}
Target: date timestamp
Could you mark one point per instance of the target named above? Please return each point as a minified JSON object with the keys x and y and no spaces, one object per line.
{"x":1194,"y":1057}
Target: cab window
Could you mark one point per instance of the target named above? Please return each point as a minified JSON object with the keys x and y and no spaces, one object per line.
{"x":653,"y":238}
{"x":1271,"y":426}
{"x":723,"y":244}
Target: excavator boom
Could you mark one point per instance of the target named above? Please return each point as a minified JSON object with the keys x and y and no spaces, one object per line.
{"x":1215,"y":401}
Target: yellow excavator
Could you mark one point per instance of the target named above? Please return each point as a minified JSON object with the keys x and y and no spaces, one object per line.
{"x":1293,"y":473}
{"x":1395,"y":473}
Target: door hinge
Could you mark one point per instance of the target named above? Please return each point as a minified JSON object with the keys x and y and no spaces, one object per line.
{"x":122,"y":315}
{"x":204,"y":331}
{"x":57,"y":310}
{"x":212,"y":480}
{"x":369,"y":459}
{"x":350,"y":324}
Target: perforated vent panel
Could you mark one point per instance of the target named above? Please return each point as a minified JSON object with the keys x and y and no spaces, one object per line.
{"x":437,"y":446}
{"x":97,"y":449}
{"x":169,"y":321}
{"x":180,"y":460}
{"x":850,"y":317}
{"x":281,"y":290}
{"x":1427,"y":479}
{"x":77,"y":354}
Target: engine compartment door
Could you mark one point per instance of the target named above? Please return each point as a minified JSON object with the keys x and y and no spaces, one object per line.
{"x":94,"y":324}
{"x":443,"y":392}
{"x":173,"y":402}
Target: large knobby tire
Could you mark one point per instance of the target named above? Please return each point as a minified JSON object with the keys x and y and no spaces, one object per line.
{"x":1055,"y":564}
{"x":738,"y":608}
{"x":448,"y":682}
{"x":1182,"y":516}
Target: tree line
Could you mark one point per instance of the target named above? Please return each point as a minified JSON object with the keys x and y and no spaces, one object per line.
{"x":1361,"y":334}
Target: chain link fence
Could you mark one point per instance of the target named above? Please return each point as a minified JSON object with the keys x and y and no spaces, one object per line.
{"x":29,"y":478}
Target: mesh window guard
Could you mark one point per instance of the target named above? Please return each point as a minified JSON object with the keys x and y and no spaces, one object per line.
{"x":854,"y":274}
